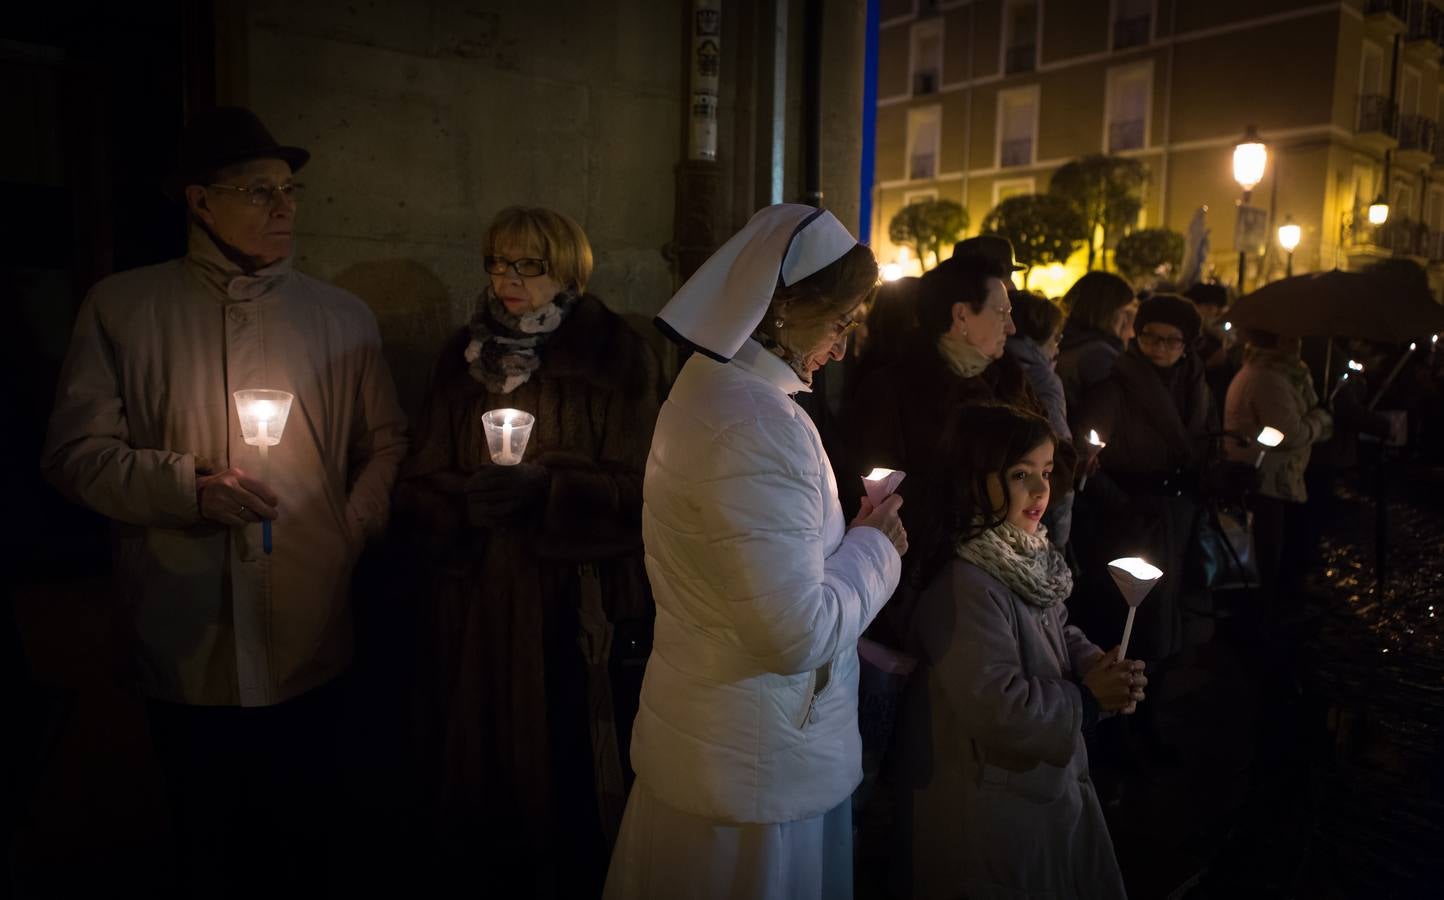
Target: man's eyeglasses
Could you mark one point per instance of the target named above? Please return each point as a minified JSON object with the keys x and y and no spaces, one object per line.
{"x":1156,"y":340}
{"x":265,"y":194}
{"x":526,"y":268}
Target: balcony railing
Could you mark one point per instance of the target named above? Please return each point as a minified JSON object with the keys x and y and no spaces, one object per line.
{"x":1132,"y":31}
{"x":1417,"y":133}
{"x":1396,"y":8}
{"x":1377,"y":115}
{"x":1400,"y":236}
{"x":1125,"y":135}
{"x":923,"y":165}
{"x":1017,"y":152}
{"x":1422,"y":21}
{"x":1022,"y":58}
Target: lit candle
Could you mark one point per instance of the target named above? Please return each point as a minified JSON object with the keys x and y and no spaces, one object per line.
{"x":1135,"y":577}
{"x":507,"y":432}
{"x":1269,"y":438}
{"x":263,"y":416}
{"x":1342,"y":379}
{"x":1099,"y":444}
{"x":881,"y":483}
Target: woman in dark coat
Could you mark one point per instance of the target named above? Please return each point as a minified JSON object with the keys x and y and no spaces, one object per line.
{"x":538,"y":595}
{"x":1101,"y":307}
{"x":954,"y":358}
{"x":1152,"y":411}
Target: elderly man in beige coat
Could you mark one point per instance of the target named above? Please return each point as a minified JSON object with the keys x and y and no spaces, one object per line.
{"x":237,"y":647}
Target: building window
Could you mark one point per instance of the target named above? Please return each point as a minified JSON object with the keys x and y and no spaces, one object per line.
{"x":927,"y":56}
{"x":924,"y":133}
{"x":1132,"y":23}
{"x":1004,"y":188}
{"x":1017,"y":126}
{"x":911,"y":197}
{"x":1127,"y":110}
{"x":1021,"y":21}
{"x":1403,"y":205}
{"x":1409,"y":96}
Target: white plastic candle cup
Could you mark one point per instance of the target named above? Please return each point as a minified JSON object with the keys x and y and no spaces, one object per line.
{"x":1270,"y":437}
{"x":507,"y":432}
{"x":263,"y":415}
{"x":881,"y":484}
{"x":1135,"y":577}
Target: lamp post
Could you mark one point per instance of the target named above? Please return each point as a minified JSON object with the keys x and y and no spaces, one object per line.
{"x":1289,"y":235}
{"x":1250,"y":156}
{"x":1379,"y":210}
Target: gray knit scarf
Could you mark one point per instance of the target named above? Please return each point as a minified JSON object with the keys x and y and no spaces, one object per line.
{"x":1028,"y":564}
{"x":504,"y":347}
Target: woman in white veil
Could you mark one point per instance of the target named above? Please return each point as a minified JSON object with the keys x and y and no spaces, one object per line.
{"x":746,"y":745}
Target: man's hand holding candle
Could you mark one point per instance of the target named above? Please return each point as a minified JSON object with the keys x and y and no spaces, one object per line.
{"x":234,"y":498}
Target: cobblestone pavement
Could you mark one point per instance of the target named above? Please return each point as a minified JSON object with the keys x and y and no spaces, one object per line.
{"x":1323,"y":777}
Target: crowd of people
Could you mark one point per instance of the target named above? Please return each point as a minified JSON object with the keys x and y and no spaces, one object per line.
{"x":639,"y":673}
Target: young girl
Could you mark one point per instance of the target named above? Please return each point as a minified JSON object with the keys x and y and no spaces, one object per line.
{"x":1001,"y":803}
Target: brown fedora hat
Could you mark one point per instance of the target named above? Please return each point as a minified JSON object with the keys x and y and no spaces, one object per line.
{"x":223,"y":137}
{"x":991,"y":247}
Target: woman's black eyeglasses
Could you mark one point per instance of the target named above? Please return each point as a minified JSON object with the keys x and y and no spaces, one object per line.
{"x":526,"y":268}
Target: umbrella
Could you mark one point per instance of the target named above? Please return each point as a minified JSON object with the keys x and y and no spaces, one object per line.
{"x":1370,"y":306}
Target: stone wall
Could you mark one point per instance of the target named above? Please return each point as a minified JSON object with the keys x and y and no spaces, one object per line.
{"x":425,"y":118}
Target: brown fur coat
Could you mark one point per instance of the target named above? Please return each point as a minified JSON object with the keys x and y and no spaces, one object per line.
{"x":515,"y":714}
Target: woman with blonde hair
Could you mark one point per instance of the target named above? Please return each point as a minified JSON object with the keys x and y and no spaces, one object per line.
{"x":746,"y":746}
{"x":540,"y":613}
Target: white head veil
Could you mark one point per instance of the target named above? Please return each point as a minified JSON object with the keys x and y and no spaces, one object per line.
{"x":723,"y":303}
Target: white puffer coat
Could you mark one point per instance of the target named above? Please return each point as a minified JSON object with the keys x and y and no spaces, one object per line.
{"x":749,"y":705}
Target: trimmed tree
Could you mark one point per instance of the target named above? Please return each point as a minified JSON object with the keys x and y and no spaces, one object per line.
{"x":1150,"y":251}
{"x":926,"y":226}
{"x":1044,"y":229}
{"x":1107,"y":191}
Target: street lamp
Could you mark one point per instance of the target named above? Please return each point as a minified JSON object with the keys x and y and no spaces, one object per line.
{"x":1289,"y":235}
{"x":1379,"y":211}
{"x":1250,"y":157}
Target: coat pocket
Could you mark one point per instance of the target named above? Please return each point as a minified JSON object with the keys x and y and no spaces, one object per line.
{"x":819,"y":685}
{"x":1041,"y":784}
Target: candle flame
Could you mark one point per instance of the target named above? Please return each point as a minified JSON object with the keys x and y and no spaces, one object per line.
{"x":1270,"y":436}
{"x":1413,"y":346}
{"x":1094,"y":439}
{"x":1138,"y":567}
{"x":263,"y":410}
{"x":1228,"y":326}
{"x":1356,"y":366}
{"x":878,"y":474}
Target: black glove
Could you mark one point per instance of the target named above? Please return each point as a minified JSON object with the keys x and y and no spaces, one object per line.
{"x":505,"y":495}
